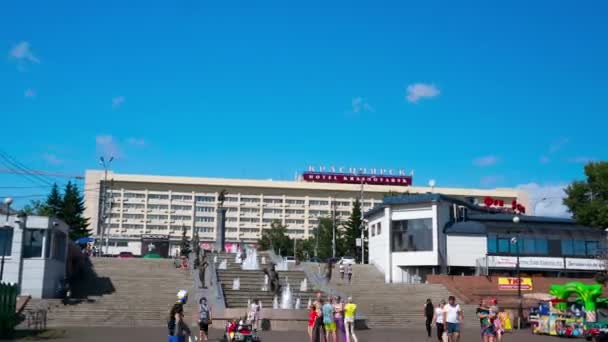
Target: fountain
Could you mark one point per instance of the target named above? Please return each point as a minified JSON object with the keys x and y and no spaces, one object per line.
{"x":286,"y":298}
{"x":248,"y":303}
{"x":234,"y":248}
{"x":236,"y":284}
{"x":275,"y":302}
{"x":309,"y":302}
{"x":251,"y":261}
{"x":282,"y":266}
{"x":298,"y":304}
{"x":223,"y":264}
{"x":263,"y":260}
{"x":237,"y":258}
{"x":215,"y":259}
{"x":304,"y":285}
{"x":265,"y":286}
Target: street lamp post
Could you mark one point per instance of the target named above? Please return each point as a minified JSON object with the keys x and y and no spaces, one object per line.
{"x":7,"y":203}
{"x":515,"y":241}
{"x":104,"y":191}
{"x":333,"y":242}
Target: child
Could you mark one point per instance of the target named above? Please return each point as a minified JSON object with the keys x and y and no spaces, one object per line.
{"x":230,"y":330}
{"x":312,"y":317}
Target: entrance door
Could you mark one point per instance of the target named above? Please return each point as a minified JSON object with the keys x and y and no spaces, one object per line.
{"x":555,"y":248}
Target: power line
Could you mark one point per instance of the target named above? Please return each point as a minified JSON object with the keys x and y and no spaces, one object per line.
{"x":42,"y":173}
{"x":20,"y":167}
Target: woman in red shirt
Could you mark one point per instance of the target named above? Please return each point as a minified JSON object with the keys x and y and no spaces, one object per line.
{"x":311,"y":320}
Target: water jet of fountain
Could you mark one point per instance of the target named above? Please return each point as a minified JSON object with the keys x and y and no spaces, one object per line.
{"x":251,"y":261}
{"x":223,"y":264}
{"x":233,"y":248}
{"x":236,"y":284}
{"x":263,"y":260}
{"x":286,"y":298}
{"x":304,"y":285}
{"x":309,"y":302}
{"x":275,"y":302}
{"x":298,"y":304}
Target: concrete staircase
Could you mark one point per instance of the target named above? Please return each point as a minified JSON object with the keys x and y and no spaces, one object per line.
{"x":122,"y":292}
{"x":391,"y":305}
{"x":251,"y":283}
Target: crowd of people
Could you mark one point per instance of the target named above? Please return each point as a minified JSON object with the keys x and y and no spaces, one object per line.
{"x":332,"y":321}
{"x":448,"y":318}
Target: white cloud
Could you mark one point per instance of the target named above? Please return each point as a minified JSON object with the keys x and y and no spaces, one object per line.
{"x":581,"y":160}
{"x":118,"y":101}
{"x":136,"y":142}
{"x":29,"y":93}
{"x":107,"y":146}
{"x":359,"y":105}
{"x":52,"y":159}
{"x":546,"y":200}
{"x":419,"y":91}
{"x":485,"y":161}
{"x":23,"y":55}
{"x":556,"y":146}
{"x":491,"y":180}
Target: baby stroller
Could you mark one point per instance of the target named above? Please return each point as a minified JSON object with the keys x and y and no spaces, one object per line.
{"x":244,"y":332}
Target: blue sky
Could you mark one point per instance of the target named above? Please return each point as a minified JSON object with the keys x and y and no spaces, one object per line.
{"x":470,"y":93}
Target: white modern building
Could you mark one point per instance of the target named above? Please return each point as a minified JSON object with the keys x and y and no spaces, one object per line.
{"x":34,"y":250}
{"x":139,"y":205}
{"x":413,"y":236}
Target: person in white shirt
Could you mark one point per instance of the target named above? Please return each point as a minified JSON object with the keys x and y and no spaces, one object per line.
{"x":438,"y":319}
{"x":452,"y":318}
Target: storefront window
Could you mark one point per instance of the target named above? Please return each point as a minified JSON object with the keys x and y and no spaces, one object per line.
{"x":529,"y":246}
{"x":59,"y":241}
{"x":492,"y":249}
{"x":504,"y":245}
{"x":6,"y":241}
{"x":412,"y":235}
{"x":542,"y":247}
{"x":593,"y":248}
{"x":579,"y":248}
{"x":567,"y":247}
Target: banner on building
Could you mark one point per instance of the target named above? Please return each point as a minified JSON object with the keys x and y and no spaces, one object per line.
{"x":512,"y":283}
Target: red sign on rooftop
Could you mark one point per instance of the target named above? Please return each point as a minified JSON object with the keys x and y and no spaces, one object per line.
{"x":345,"y":178}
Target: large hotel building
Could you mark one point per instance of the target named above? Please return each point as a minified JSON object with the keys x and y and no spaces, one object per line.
{"x":138,"y":205}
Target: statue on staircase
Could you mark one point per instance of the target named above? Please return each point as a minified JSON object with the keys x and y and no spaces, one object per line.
{"x":222,"y":197}
{"x":201,"y":272}
{"x":273,"y":278}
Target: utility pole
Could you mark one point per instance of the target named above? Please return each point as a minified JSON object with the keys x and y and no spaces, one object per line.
{"x":333,"y":213}
{"x":102,"y":221}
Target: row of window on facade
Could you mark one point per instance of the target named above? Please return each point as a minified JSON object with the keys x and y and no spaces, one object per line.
{"x":33,"y":240}
{"x":212,"y":198}
{"x":541,"y":246}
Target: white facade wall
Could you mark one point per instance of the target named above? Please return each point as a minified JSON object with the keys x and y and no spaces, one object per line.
{"x":379,"y":244}
{"x":465,"y":250}
{"x":37,"y":276}
{"x":132,"y":246}
{"x":295,"y":204}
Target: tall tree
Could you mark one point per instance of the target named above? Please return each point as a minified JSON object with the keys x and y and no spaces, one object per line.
{"x":54,"y":203}
{"x":185,"y":244}
{"x":324,"y":234}
{"x":352,"y":231}
{"x":72,"y":212}
{"x":587,"y":200}
{"x":276,"y":239}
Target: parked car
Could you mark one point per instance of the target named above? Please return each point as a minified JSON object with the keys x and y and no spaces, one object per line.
{"x":315,"y":259}
{"x":290,"y":259}
{"x":347,"y":260}
{"x":126,"y":255}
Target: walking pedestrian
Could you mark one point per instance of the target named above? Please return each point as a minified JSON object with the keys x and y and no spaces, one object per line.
{"x":350,"y":311}
{"x":339,"y":319}
{"x":253,"y":316}
{"x":452,"y":318}
{"x":204,"y":320}
{"x":429,"y":312}
{"x":349,"y":271}
{"x":342,"y":266}
{"x":328,"y":321}
{"x":329,"y":269}
{"x":178,"y":328}
{"x":438,"y":319}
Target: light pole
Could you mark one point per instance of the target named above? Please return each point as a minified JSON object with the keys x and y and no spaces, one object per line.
{"x":362,"y":227}
{"x":333,"y":239}
{"x":515,"y":241}
{"x":7,"y":203}
{"x":104,"y":190}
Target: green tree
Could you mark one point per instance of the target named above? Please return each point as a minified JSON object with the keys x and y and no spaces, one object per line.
{"x":324,"y":234}
{"x":36,"y":207}
{"x":351,"y":232}
{"x":54,"y":203}
{"x":588,"y":200}
{"x":276,"y":239}
{"x":185,"y":244}
{"x":72,"y":211}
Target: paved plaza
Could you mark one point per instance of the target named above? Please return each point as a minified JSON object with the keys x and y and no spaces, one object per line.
{"x":158,"y":334}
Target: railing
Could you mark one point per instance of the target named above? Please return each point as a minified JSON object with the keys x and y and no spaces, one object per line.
{"x":8,"y":303}
{"x":219,"y":301}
